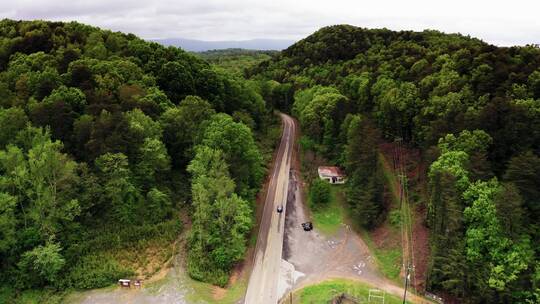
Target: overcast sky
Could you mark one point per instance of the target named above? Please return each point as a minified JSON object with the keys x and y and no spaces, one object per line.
{"x":507,"y":22}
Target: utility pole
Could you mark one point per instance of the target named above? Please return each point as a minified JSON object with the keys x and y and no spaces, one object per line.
{"x":407,"y":277}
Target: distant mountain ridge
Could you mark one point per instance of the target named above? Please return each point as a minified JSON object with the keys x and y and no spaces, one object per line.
{"x":194,"y":45}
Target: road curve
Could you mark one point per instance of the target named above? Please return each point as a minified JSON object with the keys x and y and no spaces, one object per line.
{"x":263,"y":282}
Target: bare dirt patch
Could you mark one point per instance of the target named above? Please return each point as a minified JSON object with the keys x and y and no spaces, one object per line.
{"x":385,"y":237}
{"x":218,"y":293}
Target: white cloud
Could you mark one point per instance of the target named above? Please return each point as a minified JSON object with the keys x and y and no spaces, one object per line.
{"x":498,"y":22}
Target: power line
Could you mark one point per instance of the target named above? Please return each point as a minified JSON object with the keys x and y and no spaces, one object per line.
{"x":406,"y":222}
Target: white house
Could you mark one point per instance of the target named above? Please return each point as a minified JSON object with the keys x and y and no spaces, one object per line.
{"x":333,"y":175}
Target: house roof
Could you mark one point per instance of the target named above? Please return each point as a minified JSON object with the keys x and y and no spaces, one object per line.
{"x":330,"y":171}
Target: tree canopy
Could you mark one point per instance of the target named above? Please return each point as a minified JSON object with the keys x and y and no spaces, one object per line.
{"x":97,"y":131}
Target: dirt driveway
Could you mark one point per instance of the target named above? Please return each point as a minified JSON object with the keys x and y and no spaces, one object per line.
{"x":320,"y":257}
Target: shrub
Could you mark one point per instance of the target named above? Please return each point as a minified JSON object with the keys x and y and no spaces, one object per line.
{"x":41,"y":265}
{"x":7,"y":293}
{"x":308,"y":144}
{"x":201,"y":268}
{"x":395,"y":217}
{"x":319,"y":193}
{"x":95,"y":271}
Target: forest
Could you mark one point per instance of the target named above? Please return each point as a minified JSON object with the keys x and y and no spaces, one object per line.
{"x":471,"y":108}
{"x":107,"y":141}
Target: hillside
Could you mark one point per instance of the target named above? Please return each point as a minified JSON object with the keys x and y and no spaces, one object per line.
{"x":473,"y":111}
{"x":107,"y":141}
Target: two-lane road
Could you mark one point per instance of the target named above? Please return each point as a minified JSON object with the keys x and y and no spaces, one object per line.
{"x":263,"y":282}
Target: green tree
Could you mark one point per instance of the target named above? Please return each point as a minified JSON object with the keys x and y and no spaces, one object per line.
{"x":241,"y":153}
{"x":52,"y":177}
{"x":303,"y":98}
{"x":467,"y":141}
{"x":12,"y":120}
{"x":181,"y":127}
{"x":71,"y":96}
{"x":395,"y":105}
{"x":510,"y":211}
{"x":42,"y":83}
{"x":361,"y":149}
{"x":43,"y":263}
{"x":156,"y":97}
{"x":323,"y":107}
{"x":365,"y":198}
{"x":110,"y":133}
{"x":475,"y":144}
{"x":153,"y":163}
{"x":487,"y":246}
{"x":44,"y":179}
{"x":524,"y":171}
{"x":319,"y":193}
{"x":118,"y":188}
{"x":448,"y":178}
{"x":8,"y":222}
{"x":176,"y":80}
{"x":533,"y":82}
{"x":95,"y":46}
{"x":221,"y":219}
{"x":365,"y":184}
{"x":158,"y":205}
{"x":357,"y":88}
{"x":58,"y":115}
{"x":142,"y":126}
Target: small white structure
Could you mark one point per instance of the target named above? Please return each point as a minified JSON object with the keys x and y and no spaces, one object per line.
{"x":333,"y":175}
{"x":124,"y":283}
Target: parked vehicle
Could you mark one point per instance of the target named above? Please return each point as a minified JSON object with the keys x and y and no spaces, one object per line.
{"x":308,"y":226}
{"x":280,"y":209}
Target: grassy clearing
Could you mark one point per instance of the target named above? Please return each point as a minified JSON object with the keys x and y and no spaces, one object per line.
{"x":206,"y":293}
{"x":329,"y":219}
{"x":388,"y":258}
{"x":200,"y":292}
{"x":197,"y":292}
{"x":388,"y":254}
{"x":324,"y":292}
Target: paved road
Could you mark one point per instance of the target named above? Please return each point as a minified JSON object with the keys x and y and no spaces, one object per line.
{"x":263,"y":282}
